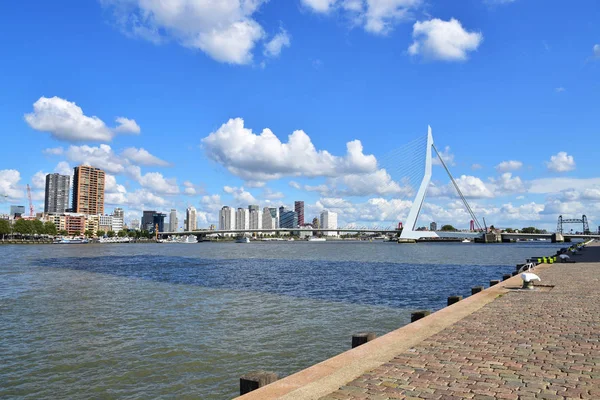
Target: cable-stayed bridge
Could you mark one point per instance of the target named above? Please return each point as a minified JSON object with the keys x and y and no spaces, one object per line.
{"x":413,"y":170}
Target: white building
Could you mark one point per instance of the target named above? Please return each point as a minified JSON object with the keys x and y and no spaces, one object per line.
{"x":173,"y":220}
{"x":227,"y":218}
{"x":329,"y":220}
{"x":242,"y":219}
{"x":269,"y":220}
{"x":117,"y":224}
{"x":255,"y":219}
{"x":190,"y":219}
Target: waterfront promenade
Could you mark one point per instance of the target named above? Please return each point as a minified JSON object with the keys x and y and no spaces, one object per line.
{"x":501,"y":343}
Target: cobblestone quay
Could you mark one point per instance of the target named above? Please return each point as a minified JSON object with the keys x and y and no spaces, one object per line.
{"x":525,"y":344}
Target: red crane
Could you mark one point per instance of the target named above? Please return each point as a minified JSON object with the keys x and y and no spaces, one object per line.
{"x":31,"y":211}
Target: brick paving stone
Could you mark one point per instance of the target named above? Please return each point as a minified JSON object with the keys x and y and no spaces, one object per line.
{"x":524,"y":345}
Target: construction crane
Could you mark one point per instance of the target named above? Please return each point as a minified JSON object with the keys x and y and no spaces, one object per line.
{"x":31,"y":210}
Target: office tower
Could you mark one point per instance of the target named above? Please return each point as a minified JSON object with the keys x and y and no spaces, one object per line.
{"x":148,"y":220}
{"x":56,"y":199}
{"x":173,"y":220}
{"x":315,"y":223}
{"x":329,"y":221}
{"x":88,"y":190}
{"x":242,"y":219}
{"x":17,"y":211}
{"x":288,"y":219}
{"x":227,"y":218}
{"x":299,"y":208}
{"x":190,"y":219}
{"x":158,"y":220}
{"x":253,"y":207}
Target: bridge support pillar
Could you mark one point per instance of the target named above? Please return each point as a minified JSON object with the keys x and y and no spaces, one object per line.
{"x":557,"y":238}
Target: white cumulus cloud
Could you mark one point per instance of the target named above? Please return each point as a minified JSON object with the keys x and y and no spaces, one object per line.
{"x":264,"y":157}
{"x":443,"y":40}
{"x":274,"y":46}
{"x":9,"y":185}
{"x":561,"y":162}
{"x":65,"y":120}
{"x":241,"y":196}
{"x":507,"y":166}
{"x":596,"y":50}
{"x":143,"y":157}
{"x":225,"y":29}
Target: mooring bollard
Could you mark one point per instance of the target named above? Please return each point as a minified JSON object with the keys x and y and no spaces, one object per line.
{"x":506,"y":277}
{"x":255,"y":380}
{"x":454,"y":299}
{"x":417,"y":315}
{"x":362,"y":338}
{"x":494,"y":282}
{"x":476,"y":289}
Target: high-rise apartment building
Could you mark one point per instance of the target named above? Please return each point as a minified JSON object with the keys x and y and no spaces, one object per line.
{"x":191,"y":219}
{"x":56,"y":199}
{"x":227,"y":218}
{"x":299,"y":208}
{"x":255,"y":218}
{"x":173,"y":220}
{"x":329,"y":221}
{"x":88,"y":190}
{"x":242,"y":219}
{"x":118,"y":212}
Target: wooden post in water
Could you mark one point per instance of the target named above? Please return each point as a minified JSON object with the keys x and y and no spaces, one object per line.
{"x":454,"y":299}
{"x":476,"y":289}
{"x":494,"y":282}
{"x":255,"y":380}
{"x":362,"y":338}
{"x":417,"y":315}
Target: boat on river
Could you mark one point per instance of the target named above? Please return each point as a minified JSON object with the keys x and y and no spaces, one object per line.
{"x":316,"y":239}
{"x":242,"y":240}
{"x":466,"y":241}
{"x":74,"y":240}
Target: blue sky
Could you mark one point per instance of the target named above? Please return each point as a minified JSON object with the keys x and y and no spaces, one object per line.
{"x":193,"y":84}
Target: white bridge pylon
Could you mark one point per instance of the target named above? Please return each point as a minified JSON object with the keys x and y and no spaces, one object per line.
{"x":409,"y":230}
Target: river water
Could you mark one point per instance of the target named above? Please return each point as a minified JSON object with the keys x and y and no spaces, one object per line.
{"x":187,"y":320}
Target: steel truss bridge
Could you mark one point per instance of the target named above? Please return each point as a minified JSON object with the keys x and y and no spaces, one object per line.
{"x":409,"y":232}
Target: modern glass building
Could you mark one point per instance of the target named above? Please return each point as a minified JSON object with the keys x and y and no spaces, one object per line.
{"x":56,"y":199}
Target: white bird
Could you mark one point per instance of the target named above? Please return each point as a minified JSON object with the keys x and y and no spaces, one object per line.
{"x":564,"y":256}
{"x":529,"y":277}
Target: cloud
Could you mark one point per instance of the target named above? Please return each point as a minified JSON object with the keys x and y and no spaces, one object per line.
{"x":64,"y":120}
{"x":447,"y":157}
{"x":241,"y":196}
{"x":9,"y":189}
{"x":55,"y":151}
{"x":525,"y":212}
{"x":264,"y":157}
{"x":321,"y":6}
{"x":225,"y":30}
{"x":127,"y":125}
{"x":375,"y":16}
{"x":63,"y":168}
{"x":97,"y":156}
{"x":507,"y":184}
{"x":561,"y":162}
{"x":143,"y":157}
{"x":38,"y":180}
{"x":560,"y":89}
{"x":192,"y":189}
{"x":376,"y":183}
{"x":274,"y":47}
{"x":141,"y":199}
{"x":111,"y":185}
{"x":596,"y":50}
{"x":555,"y":185}
{"x":272,"y":195}
{"x":506,"y":166}
{"x":443,"y":40}
{"x":470,"y":186}
{"x":475,"y":167}
{"x":154,"y":181}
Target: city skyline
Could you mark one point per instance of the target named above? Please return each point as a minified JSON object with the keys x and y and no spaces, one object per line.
{"x":290,"y":116}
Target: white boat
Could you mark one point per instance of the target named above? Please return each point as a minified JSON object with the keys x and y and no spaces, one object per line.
{"x":316,"y":239}
{"x":466,"y":241}
{"x":190,"y":239}
{"x":290,"y":239}
{"x":72,"y":241}
{"x":242,"y":240}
